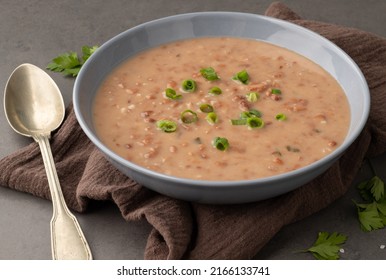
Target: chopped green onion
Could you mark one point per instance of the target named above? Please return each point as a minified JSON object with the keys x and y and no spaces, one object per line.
{"x":212,"y":118}
{"x":206,"y":108}
{"x":189,"y":85}
{"x":255,"y":122}
{"x":215,"y":91}
{"x":281,"y":117}
{"x":253,"y":96}
{"x":275,"y":91}
{"x":188,"y":116}
{"x":242,"y":77}
{"x":209,"y":73}
{"x":171,"y":93}
{"x":250,"y":113}
{"x":167,"y":126}
{"x":220,"y":143}
{"x":239,"y":122}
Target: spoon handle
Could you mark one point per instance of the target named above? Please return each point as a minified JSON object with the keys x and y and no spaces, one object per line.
{"x":67,"y":239}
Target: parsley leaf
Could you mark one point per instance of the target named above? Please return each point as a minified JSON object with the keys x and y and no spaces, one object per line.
{"x":372,"y":189}
{"x":369,"y":216}
{"x":372,"y":213}
{"x":327,"y":246}
{"x":69,"y":63}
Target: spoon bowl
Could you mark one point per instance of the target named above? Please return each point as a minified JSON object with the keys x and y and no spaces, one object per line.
{"x":34,"y":107}
{"x":29,"y":109}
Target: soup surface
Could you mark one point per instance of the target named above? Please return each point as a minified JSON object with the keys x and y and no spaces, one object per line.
{"x":221,"y":108}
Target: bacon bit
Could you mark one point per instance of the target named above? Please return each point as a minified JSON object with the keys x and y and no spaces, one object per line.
{"x":149,"y":120}
{"x":321,"y":118}
{"x":278,"y":75}
{"x":275,"y":97}
{"x":221,"y":163}
{"x":203,"y":155}
{"x":146,"y":114}
{"x":243,"y":102}
{"x":172,"y":149}
{"x":172,"y":84}
{"x":296,"y":105}
{"x":150,"y":154}
{"x":278,"y":160}
{"x":258,"y":87}
{"x":332,"y":144}
{"x":128,"y":146}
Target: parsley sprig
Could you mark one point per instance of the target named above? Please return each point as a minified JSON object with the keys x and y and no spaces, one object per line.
{"x":69,"y":63}
{"x":327,"y":246}
{"x":372,"y":212}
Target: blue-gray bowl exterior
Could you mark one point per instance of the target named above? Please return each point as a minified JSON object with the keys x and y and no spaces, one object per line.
{"x":207,"y":24}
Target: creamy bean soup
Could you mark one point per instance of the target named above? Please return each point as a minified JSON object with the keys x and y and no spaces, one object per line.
{"x":221,"y":108}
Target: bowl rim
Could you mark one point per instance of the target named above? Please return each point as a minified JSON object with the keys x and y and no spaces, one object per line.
{"x":218,"y":183}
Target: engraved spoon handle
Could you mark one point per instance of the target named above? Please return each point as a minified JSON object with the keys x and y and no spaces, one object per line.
{"x":67,"y":239}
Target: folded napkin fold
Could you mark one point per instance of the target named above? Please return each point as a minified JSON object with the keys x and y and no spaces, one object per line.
{"x":184,"y":230}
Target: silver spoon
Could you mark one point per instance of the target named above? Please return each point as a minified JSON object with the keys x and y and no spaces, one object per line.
{"x":34,"y":107}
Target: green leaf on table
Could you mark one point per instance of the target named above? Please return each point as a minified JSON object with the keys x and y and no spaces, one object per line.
{"x":372,"y":213}
{"x":372,"y":189}
{"x":88,"y":51}
{"x":69,"y":64}
{"x":369,"y":216}
{"x":327,"y":246}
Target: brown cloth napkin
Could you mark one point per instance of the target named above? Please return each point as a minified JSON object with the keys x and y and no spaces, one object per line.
{"x":183,"y":230}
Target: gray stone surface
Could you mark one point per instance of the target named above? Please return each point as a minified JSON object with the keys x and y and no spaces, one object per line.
{"x":35,"y":31}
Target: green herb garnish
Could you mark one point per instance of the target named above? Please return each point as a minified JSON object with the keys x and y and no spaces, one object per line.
{"x":166,"y":126}
{"x":275,"y":91}
{"x":251,"y":118}
{"x":372,"y":213}
{"x":69,"y":63}
{"x":281,"y":117}
{"x":212,"y":118}
{"x":172,"y":94}
{"x":189,"y":85}
{"x":242,"y":77}
{"x":250,"y":113}
{"x":209,"y":73}
{"x":239,"y":121}
{"x":206,"y":108}
{"x":220,"y":143}
{"x":327,"y":246}
{"x":253,"y":96}
{"x":189,"y":116}
{"x":215,"y":91}
{"x":255,"y":122}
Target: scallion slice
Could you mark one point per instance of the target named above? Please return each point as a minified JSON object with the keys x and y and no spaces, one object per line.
{"x":242,"y":77}
{"x":206,"y":108}
{"x":275,"y":91}
{"x":212,"y":118}
{"x":166,"y":126}
{"x":250,"y":113}
{"x":172,"y":94}
{"x":215,"y":91}
{"x":255,"y":122}
{"x":239,"y":122}
{"x":220,"y":143}
{"x":209,"y":73}
{"x":281,"y":117}
{"x":253,"y":96}
{"x":189,"y":116}
{"x":189,"y":85}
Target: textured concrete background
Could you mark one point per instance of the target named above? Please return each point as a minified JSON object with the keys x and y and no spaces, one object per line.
{"x":35,"y":31}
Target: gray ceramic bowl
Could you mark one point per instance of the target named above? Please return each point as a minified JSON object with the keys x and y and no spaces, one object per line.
{"x":279,"y":32}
